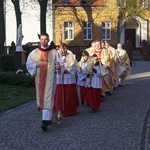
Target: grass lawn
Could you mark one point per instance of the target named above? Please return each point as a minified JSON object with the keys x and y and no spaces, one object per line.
{"x":14,"y":96}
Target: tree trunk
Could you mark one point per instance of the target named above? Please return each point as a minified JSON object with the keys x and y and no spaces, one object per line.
{"x":2,"y":27}
{"x":43,"y":8}
{"x":17,"y":12}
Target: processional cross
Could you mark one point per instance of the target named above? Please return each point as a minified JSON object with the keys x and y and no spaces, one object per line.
{"x":61,"y":33}
{"x":59,"y":115}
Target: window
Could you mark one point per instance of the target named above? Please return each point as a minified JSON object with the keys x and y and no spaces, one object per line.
{"x":122,"y":3}
{"x":106,"y":30}
{"x":69,"y":30}
{"x":87,"y":30}
{"x":144,"y":3}
{"x":65,"y":1}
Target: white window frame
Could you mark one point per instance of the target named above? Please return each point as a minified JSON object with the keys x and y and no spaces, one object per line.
{"x":69,"y":30}
{"x":105,"y":30}
{"x":87,"y":30}
{"x":122,"y":3}
{"x":144,"y":3}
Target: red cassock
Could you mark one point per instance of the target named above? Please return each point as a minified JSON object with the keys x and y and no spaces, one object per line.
{"x":66,"y":99}
{"x":82,"y":93}
{"x":93,"y":97}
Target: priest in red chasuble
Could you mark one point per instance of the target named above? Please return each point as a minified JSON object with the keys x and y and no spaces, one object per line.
{"x":41,"y":64}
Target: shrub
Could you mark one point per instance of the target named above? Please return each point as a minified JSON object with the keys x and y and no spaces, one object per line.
{"x":7,"y":62}
{"x":0,"y":61}
{"x":10,"y":78}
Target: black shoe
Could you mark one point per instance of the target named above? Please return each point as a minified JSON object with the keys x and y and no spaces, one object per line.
{"x":44,"y":127}
{"x":92,"y":110}
{"x":45,"y":124}
{"x":102,"y":96}
{"x":108,"y":93}
{"x":49,"y":122}
{"x":120,"y":85}
{"x":82,"y":102}
{"x":88,"y":105}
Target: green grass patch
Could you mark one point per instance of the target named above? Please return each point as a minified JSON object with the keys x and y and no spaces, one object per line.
{"x":14,"y":96}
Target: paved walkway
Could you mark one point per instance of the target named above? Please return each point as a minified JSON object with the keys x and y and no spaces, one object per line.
{"x":123,"y":122}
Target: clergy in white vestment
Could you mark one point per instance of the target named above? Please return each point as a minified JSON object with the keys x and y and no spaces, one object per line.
{"x":122,"y":67}
{"x":113,"y":60}
{"x":41,"y":64}
{"x":104,"y":55}
{"x":66,"y":97}
{"x":91,"y":49}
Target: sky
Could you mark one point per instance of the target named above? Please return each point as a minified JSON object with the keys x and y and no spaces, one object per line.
{"x":30,"y":23}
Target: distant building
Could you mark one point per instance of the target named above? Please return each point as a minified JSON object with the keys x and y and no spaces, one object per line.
{"x":78,"y":22}
{"x":82,"y":21}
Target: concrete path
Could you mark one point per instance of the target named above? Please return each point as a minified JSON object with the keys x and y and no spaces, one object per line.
{"x":123,"y":122}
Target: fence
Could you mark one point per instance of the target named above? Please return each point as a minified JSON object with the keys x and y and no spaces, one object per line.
{"x":129,"y":49}
{"x":145,"y":50}
{"x":77,"y":50}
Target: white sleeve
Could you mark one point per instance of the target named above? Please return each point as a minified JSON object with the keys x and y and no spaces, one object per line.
{"x":61,"y":61}
{"x":72,"y":69}
{"x":30,"y":64}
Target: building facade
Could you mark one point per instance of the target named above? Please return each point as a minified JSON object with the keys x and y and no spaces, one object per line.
{"x":78,"y":22}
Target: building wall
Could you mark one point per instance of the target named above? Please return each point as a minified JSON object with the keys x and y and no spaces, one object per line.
{"x":96,"y":14}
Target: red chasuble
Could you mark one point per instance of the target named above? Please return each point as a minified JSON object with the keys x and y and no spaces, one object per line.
{"x":44,"y":78}
{"x":98,"y":53}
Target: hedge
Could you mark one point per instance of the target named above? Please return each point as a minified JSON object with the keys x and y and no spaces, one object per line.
{"x":7,"y":62}
{"x":11,"y":78}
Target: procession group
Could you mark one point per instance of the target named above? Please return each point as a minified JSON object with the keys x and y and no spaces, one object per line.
{"x":57,"y":75}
